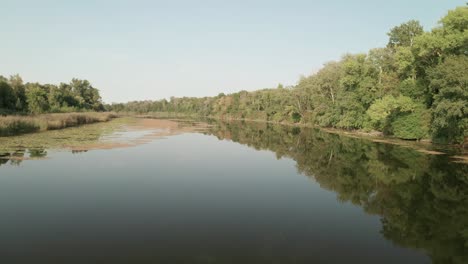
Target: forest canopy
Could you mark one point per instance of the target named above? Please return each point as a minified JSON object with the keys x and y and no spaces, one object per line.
{"x":414,"y":88}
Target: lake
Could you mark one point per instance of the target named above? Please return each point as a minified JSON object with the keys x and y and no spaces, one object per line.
{"x":185,"y":191}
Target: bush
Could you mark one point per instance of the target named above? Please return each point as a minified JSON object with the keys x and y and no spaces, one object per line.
{"x":412,"y":125}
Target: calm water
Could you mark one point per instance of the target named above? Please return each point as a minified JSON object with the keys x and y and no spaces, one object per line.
{"x":229,"y":193}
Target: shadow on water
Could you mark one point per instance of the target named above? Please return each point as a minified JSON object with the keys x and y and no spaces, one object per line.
{"x":422,"y":199}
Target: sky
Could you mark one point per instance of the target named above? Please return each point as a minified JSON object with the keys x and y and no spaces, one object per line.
{"x":140,"y":50}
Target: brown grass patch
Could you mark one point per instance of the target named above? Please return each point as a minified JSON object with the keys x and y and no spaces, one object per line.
{"x":16,"y":125}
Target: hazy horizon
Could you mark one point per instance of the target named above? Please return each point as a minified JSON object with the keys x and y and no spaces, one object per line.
{"x":148,"y":50}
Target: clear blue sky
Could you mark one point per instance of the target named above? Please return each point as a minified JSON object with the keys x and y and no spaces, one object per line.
{"x":134,"y":50}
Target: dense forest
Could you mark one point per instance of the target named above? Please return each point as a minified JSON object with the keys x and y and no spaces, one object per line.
{"x":34,"y":98}
{"x":414,"y":88}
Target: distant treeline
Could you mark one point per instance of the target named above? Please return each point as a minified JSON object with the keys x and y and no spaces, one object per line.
{"x":414,"y":88}
{"x":34,"y":98}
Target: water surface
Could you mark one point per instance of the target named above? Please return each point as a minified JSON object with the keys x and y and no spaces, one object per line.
{"x":185,"y":192}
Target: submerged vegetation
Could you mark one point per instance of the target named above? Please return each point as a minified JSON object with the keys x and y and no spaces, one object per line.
{"x":416,"y":87}
{"x":35,"y":146}
{"x":15,"y":125}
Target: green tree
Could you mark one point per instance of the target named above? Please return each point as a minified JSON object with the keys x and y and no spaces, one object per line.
{"x":86,"y":95}
{"x":413,"y":124}
{"x":381,"y":111}
{"x":399,"y":116}
{"x":16,"y":83}
{"x":7,"y":96}
{"x":37,"y":98}
{"x":404,"y":34}
{"x":449,"y":84}
{"x":404,"y":60}
{"x":449,"y":38}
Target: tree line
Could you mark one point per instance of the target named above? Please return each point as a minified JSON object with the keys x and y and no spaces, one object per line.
{"x":17,"y":97}
{"x":414,"y":88}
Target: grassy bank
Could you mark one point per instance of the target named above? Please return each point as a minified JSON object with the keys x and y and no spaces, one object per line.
{"x":16,"y":125}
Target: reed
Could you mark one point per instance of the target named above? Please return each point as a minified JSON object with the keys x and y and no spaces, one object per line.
{"x":16,"y":125}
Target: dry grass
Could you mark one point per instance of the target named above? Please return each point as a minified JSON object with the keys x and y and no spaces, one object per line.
{"x":15,"y":125}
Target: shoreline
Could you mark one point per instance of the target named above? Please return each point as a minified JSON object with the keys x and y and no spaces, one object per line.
{"x":423,"y":145}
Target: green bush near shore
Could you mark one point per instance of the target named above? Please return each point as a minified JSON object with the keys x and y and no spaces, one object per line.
{"x":16,"y":125}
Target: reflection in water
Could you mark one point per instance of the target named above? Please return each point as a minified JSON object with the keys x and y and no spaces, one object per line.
{"x":35,"y":144}
{"x":15,"y":157}
{"x":77,"y":151}
{"x":118,"y":133}
{"x":422,"y":199}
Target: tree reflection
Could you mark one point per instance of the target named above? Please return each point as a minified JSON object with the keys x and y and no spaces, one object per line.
{"x":422,"y":199}
{"x":37,"y":153}
{"x":4,"y":158}
{"x":15,"y":157}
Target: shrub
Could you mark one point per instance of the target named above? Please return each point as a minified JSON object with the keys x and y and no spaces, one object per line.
{"x":413,"y":125}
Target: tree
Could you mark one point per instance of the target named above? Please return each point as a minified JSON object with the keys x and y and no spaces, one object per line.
{"x":404,"y":34}
{"x":404,"y":60}
{"x":381,"y":110}
{"x":56,"y":99}
{"x":449,"y":84}
{"x":86,"y":95}
{"x":456,"y":20}
{"x":382,"y":63}
{"x":449,"y":38}
{"x":7,"y":96}
{"x":37,"y":98}
{"x":17,"y":85}
{"x":411,"y":125}
{"x":399,"y":116}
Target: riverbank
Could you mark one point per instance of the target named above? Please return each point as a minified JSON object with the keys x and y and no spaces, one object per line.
{"x":423,"y":145}
{"x":17,"y":125}
{"x":357,"y":133}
